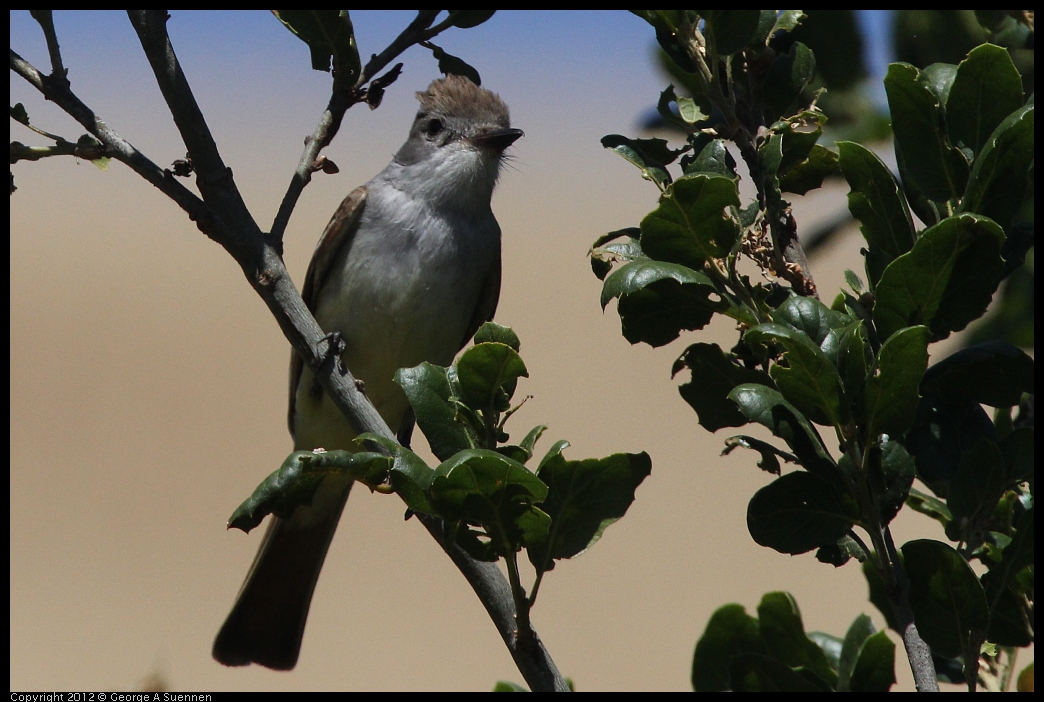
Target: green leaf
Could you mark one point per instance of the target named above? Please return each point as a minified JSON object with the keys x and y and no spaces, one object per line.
{"x":939,"y":78}
{"x":779,"y":622}
{"x":931,"y":213}
{"x":810,"y":382}
{"x":993,"y":373}
{"x":841,"y":551}
{"x":770,"y":154}
{"x":1017,"y":449}
{"x":1010,"y":615}
{"x":749,"y":215}
{"x":929,"y":506}
{"x":466,"y":19}
{"x":768,"y":462}
{"x":829,"y":644}
{"x":689,"y":111}
{"x":487,"y":471}
{"x":585,"y":497}
{"x":428,"y":390}
{"x":751,"y":672}
{"x":875,"y":669}
{"x":556,"y":450}
{"x":658,"y":312}
{"x":986,"y":90}
{"x":713,"y":159}
{"x":713,"y":377}
{"x":19,"y":114}
{"x":999,"y":179}
{"x":853,"y":281}
{"x":491,"y":332}
{"x":649,"y":155}
{"x":786,"y":21}
{"x":978,"y":483}
{"x":943,"y":429}
{"x":787,"y":78}
{"x":694,"y":221}
{"x":766,"y":21}
{"x":632,"y":277}
{"x":891,"y":392}
{"x":877,"y":201}
{"x":861,"y":629}
{"x":848,"y":350}
{"x":891,"y":473}
{"x":605,"y":254}
{"x":798,"y":513}
{"x":1010,"y":623}
{"x":329,"y":35}
{"x":629,"y":234}
{"x":409,"y":475}
{"x":948,"y":603}
{"x":767,"y":407}
{"x":484,"y":369}
{"x":411,"y":478}
{"x":529,"y":443}
{"x":939,"y":169}
{"x":810,"y":317}
{"x":729,"y":633}
{"x":452,"y":65}
{"x":728,"y":31}
{"x":809,"y":174}
{"x":945,"y":281}
{"x":800,"y":133}
{"x":483,"y":487}
{"x":294,"y":483}
{"x":508,"y":686}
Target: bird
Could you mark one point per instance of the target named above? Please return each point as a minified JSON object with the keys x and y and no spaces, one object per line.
{"x":406,"y":271}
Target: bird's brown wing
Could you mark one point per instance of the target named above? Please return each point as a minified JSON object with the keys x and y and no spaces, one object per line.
{"x":337,"y":235}
{"x":487,"y":302}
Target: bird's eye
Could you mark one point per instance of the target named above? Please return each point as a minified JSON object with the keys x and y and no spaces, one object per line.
{"x":433,"y":127}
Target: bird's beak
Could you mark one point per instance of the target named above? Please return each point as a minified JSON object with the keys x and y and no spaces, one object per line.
{"x":497,"y":139}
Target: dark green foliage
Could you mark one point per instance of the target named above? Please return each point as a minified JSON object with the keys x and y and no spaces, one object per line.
{"x":331,"y":40}
{"x":949,"y":604}
{"x":772,"y":652}
{"x":857,"y":370}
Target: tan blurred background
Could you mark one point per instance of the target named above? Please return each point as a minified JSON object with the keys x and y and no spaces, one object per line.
{"x":148,"y":381}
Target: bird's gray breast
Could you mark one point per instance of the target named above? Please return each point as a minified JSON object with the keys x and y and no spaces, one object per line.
{"x":407,"y":288}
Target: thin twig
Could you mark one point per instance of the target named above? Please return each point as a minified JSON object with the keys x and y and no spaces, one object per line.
{"x":792,"y":263}
{"x":46,"y":22}
{"x":58,"y":92}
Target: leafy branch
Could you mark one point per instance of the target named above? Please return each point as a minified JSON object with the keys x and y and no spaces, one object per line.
{"x":492,"y":505}
{"x":859,"y":367}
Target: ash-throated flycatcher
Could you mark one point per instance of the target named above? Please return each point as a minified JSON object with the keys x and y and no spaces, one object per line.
{"x":407,"y":270}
